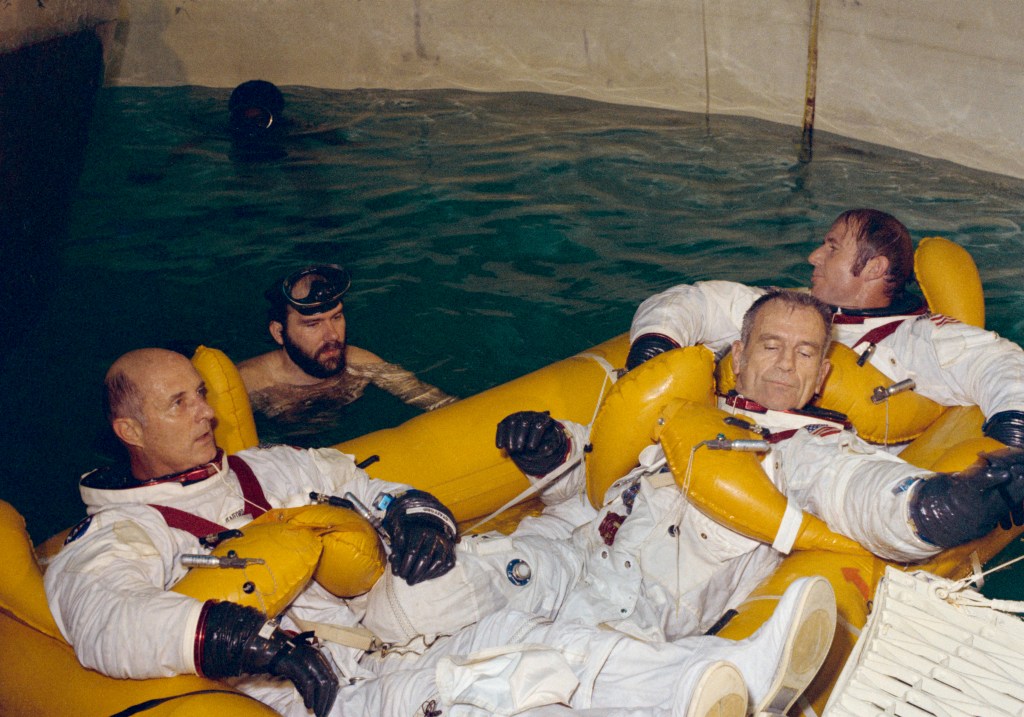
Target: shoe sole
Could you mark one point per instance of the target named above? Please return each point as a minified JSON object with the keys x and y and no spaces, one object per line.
{"x":720,"y":692}
{"x":807,"y":645}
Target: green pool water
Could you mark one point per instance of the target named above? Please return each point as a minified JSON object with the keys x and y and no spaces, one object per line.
{"x":487,"y":235}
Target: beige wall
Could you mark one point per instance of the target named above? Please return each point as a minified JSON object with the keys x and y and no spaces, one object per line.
{"x":24,"y":22}
{"x":944,"y":78}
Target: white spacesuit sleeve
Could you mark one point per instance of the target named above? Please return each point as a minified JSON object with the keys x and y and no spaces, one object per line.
{"x":708,"y":312}
{"x":340,"y":471}
{"x":858,"y":491}
{"x":567,"y":506}
{"x":288,"y":475}
{"x":108,"y":593}
{"x":958,"y":364}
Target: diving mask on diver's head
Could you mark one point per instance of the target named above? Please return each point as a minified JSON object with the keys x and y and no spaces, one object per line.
{"x":316,"y":289}
{"x":251,"y":120}
{"x":254,"y":106}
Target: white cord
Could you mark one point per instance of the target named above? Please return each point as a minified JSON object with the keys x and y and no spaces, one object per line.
{"x":529,"y":492}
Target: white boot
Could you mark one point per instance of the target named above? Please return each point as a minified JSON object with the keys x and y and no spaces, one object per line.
{"x":783,"y":656}
{"x":719,"y":692}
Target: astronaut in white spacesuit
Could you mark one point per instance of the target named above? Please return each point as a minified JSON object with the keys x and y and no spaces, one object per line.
{"x":860,"y":270}
{"x":648,"y":563}
{"x":109,"y":590}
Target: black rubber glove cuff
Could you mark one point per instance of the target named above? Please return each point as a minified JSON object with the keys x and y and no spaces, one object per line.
{"x":232,"y":639}
{"x":1006,"y":427}
{"x":224,"y":628}
{"x":646,"y":347}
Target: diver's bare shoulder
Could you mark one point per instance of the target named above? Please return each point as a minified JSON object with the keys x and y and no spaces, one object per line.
{"x":355,"y":356}
{"x":258,"y":372}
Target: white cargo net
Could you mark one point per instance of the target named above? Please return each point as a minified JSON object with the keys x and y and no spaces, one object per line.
{"x":934,"y":647}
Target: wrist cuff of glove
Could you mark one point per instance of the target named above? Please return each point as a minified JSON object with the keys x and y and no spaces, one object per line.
{"x":930,"y":511}
{"x":555,"y":451}
{"x":420,"y":504}
{"x":222,"y":634}
{"x":950,"y":510}
{"x":646,"y":347}
{"x":1006,"y":427}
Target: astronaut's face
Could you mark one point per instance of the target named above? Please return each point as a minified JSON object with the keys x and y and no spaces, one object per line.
{"x":175,"y":432}
{"x":783,"y":364}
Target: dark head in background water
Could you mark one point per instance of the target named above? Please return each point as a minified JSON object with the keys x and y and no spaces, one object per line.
{"x":257,"y":123}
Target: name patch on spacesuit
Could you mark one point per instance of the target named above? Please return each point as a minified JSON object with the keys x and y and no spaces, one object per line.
{"x":79,"y":530}
{"x":237,"y":514}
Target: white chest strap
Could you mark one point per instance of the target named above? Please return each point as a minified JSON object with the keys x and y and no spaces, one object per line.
{"x":358,"y":637}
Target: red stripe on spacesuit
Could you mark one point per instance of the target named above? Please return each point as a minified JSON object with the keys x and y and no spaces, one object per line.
{"x":256,"y":504}
{"x":182,"y":520}
{"x":252,"y":492}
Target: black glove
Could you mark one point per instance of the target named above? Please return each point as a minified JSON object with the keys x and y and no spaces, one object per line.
{"x":534,"y":441}
{"x":235,"y":640}
{"x":951,"y":509}
{"x":1006,"y":427}
{"x":646,"y":347}
{"x":423,"y":536}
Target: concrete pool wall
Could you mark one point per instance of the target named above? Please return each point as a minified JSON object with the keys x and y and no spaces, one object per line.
{"x":943,"y":78}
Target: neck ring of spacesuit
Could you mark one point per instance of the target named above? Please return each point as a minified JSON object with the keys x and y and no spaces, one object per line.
{"x":902,"y":304}
{"x":191,"y":475}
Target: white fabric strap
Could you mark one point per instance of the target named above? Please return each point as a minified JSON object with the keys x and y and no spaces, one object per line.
{"x":358,"y":637}
{"x":613,"y":374}
{"x":662,"y":480}
{"x":789,"y":528}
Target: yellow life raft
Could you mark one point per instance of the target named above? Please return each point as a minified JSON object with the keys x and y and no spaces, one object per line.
{"x":668,"y":399}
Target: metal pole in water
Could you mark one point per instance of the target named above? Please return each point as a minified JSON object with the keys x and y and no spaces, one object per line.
{"x":707,"y":68}
{"x":807,"y":139}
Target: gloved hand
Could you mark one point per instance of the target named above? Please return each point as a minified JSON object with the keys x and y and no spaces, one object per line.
{"x":423,"y":535}
{"x":646,"y":347}
{"x":534,"y":441}
{"x":951,"y":509}
{"x":234,"y":639}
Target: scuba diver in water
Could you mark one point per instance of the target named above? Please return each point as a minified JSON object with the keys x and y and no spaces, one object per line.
{"x":259,"y":128}
{"x":314,"y":368}
{"x":257,"y":122}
